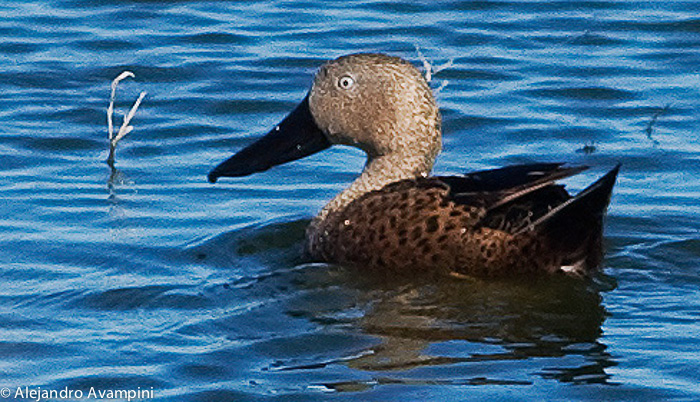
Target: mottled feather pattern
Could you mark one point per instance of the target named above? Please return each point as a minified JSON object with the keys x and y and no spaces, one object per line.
{"x":416,"y":226}
{"x":410,"y":224}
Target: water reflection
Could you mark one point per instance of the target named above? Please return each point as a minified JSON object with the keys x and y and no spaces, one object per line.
{"x":545,"y":318}
{"x":423,"y":322}
{"x":114,"y":181}
{"x":115,"y":176}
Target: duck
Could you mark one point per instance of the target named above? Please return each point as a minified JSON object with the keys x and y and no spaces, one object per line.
{"x":397,"y":218}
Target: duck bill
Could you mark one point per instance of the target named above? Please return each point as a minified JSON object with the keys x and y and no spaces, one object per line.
{"x":295,"y":137}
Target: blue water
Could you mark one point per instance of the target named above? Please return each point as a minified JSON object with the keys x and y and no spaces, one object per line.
{"x":148,"y":277}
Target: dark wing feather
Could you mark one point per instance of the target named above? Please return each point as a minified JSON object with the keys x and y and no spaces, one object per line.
{"x":509,"y":177}
{"x":574,"y":228}
{"x":525,"y":197}
{"x":591,"y":204}
{"x":520,"y":213}
{"x":496,"y":188}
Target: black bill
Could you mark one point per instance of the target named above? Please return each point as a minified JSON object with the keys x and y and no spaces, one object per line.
{"x":295,"y":137}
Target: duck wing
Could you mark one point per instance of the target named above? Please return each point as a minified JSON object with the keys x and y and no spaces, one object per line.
{"x":525,"y":200}
{"x":509,"y":177}
{"x":512,"y":186}
{"x":524,"y":197}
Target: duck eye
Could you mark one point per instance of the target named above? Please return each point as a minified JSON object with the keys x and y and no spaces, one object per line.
{"x":345,"y":82}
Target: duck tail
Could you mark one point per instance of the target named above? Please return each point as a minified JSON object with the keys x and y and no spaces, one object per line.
{"x":575,"y":227}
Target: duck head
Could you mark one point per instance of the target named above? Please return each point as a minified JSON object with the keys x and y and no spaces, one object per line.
{"x":380,"y":104}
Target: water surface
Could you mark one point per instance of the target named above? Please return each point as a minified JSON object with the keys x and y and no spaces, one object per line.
{"x":147,"y":276}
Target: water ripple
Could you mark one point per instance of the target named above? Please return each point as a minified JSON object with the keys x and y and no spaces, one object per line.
{"x":147,"y":276}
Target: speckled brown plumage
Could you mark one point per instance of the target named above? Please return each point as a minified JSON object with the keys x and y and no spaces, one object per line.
{"x":423,"y":225}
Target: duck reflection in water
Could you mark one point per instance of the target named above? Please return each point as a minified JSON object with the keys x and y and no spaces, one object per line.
{"x":548,"y":318}
{"x":486,"y":332}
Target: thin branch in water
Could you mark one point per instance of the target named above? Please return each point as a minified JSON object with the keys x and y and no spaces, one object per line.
{"x":110,"y":109}
{"x":442,"y":86}
{"x":431,"y":71}
{"x":426,"y":65}
{"x":125,"y":127}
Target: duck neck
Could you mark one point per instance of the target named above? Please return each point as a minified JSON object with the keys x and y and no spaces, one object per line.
{"x":377,"y":173}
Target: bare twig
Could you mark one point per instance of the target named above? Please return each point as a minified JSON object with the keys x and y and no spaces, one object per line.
{"x":426,"y":65}
{"x":430,"y":70}
{"x":442,"y":86}
{"x":125,"y":127}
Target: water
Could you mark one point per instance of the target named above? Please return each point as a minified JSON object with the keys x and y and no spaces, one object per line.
{"x":147,"y":277}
